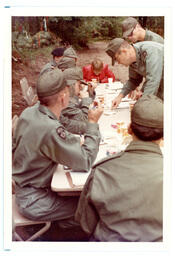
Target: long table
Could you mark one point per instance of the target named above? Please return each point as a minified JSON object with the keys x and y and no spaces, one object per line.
{"x":67,"y":183}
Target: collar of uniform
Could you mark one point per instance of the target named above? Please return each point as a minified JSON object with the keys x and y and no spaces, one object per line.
{"x":47,"y":112}
{"x":146,"y":35}
{"x":137,"y":52}
{"x":144,"y":146}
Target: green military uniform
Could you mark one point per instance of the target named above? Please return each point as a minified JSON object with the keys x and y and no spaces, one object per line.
{"x":129,"y":24}
{"x":57,"y":52}
{"x":149,"y":64}
{"x":151,"y":36}
{"x":122,"y":199}
{"x":49,"y":66}
{"x":40,"y":144}
{"x":75,"y":116}
{"x":68,"y":60}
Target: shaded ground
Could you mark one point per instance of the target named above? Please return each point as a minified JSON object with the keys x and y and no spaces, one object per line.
{"x":30,"y":69}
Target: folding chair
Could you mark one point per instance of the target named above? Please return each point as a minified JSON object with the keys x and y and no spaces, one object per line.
{"x":28,"y":93}
{"x":19,"y":221}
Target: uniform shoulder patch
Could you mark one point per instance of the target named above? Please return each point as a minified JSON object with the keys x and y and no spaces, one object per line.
{"x":61,"y":132}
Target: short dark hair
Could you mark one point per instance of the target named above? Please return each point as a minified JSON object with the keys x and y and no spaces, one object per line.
{"x":48,"y":100}
{"x":146,"y":133}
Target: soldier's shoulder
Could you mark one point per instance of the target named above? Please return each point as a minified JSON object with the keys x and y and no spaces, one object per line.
{"x":108,"y":159}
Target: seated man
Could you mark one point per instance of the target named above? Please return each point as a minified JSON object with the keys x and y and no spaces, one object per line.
{"x":69,"y":59}
{"x":122,"y":199}
{"x":57,"y":56}
{"x":75,"y":116}
{"x":97,"y":70}
{"x":41,"y":143}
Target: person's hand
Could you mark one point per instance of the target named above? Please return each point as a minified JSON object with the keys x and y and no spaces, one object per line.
{"x":91,"y":89}
{"x":95,"y":113}
{"x":132,"y":95}
{"x":135,"y":95}
{"x":117,"y":101}
{"x":83,"y":94}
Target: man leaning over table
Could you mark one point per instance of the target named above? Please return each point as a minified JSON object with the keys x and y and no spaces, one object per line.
{"x":145,"y":59}
{"x":41,"y":143}
{"x":134,"y":32}
{"x":122,"y":199}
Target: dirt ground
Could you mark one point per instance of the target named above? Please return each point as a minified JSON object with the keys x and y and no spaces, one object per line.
{"x":31,"y":68}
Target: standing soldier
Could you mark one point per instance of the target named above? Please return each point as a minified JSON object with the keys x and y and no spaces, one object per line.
{"x":133,"y":31}
{"x":145,"y":59}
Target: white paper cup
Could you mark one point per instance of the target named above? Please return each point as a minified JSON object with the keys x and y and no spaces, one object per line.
{"x":110,"y":80}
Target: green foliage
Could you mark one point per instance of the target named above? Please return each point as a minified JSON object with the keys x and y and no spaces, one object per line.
{"x":79,"y":31}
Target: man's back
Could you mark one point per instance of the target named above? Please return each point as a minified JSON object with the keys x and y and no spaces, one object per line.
{"x":126,"y":191}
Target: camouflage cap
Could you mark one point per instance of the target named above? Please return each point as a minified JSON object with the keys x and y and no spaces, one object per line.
{"x":66,"y":62}
{"x":70,"y":52}
{"x":148,"y":111}
{"x":128,"y":26}
{"x":113,"y":47}
{"x":50,"y":83}
{"x":74,"y":74}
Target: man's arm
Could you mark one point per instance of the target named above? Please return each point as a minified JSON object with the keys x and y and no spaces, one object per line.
{"x":154,"y":67}
{"x":64,"y":148}
{"x":73,"y":126}
{"x":134,"y":80}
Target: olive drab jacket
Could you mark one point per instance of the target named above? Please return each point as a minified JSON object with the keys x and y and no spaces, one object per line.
{"x":149,"y":64}
{"x":69,"y":59}
{"x":41,"y":142}
{"x":122,"y":199}
{"x":151,"y":36}
{"x":75,"y":116}
{"x":49,"y":66}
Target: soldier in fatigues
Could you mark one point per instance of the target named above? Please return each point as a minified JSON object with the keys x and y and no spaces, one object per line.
{"x":41,"y":143}
{"x":69,"y":59}
{"x":57,"y":54}
{"x":133,"y":31}
{"x":145,"y":59}
{"x":75,"y":116}
{"x":122,"y":199}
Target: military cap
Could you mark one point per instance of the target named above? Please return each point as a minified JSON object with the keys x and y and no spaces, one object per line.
{"x":58,"y":52}
{"x":148,"y":111}
{"x":113,"y":47}
{"x":74,"y":74}
{"x":128,"y":26}
{"x":50,"y":83}
{"x":70,"y":52}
